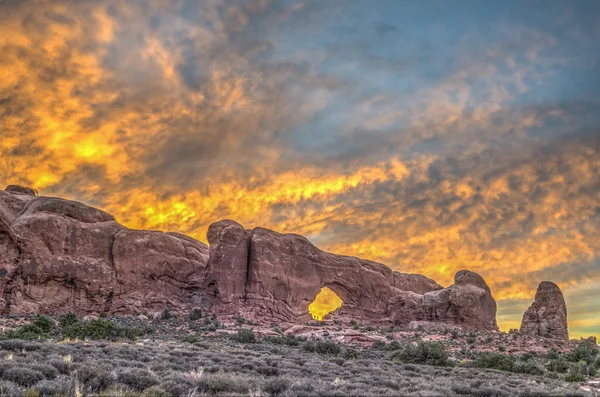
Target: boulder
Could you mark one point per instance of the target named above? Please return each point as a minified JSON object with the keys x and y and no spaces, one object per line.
{"x":547,"y":316}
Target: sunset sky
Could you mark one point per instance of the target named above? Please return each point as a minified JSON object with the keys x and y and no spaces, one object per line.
{"x":431,"y":136}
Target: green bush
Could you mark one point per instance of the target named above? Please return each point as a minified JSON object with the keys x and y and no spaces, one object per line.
{"x":191,"y":338}
{"x":426,"y":353}
{"x":573,"y":377}
{"x":67,"y":320}
{"x":98,"y":329}
{"x":558,"y":365}
{"x":528,"y":367}
{"x":309,"y":347}
{"x":585,"y":351}
{"x":350,"y":353}
{"x":43,"y":323}
{"x":245,"y":335}
{"x":327,"y":347}
{"x":495,"y":361}
{"x":379,"y":345}
{"x":196,"y":314}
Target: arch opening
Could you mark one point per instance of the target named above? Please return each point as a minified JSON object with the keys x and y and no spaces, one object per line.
{"x":325,"y":302}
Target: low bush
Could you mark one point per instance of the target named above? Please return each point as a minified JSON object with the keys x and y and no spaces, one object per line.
{"x":426,"y":353}
{"x":327,"y":348}
{"x":528,"y":367}
{"x":98,"y":329}
{"x":40,"y":328}
{"x":573,"y":377}
{"x":23,"y":376}
{"x":276,"y":386}
{"x":558,"y":365}
{"x":223,"y":384}
{"x":137,"y":379}
{"x":195,"y":314}
{"x":245,"y":335}
{"x":495,"y":361}
{"x":585,"y":351}
{"x":289,"y":340}
{"x":379,"y":345}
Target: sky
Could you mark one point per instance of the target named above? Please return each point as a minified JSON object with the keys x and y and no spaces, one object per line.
{"x":431,"y":136}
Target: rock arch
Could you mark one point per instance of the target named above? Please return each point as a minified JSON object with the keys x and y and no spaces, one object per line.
{"x":283,"y":273}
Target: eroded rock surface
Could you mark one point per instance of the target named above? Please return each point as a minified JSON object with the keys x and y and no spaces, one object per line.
{"x":58,"y":255}
{"x":547,"y":316}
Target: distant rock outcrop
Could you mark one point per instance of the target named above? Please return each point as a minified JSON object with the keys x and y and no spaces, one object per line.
{"x":547,"y":316}
{"x":58,"y":256}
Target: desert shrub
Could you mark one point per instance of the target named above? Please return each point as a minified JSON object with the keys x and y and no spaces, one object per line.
{"x":195,"y":314}
{"x":48,"y":371}
{"x":379,"y":345}
{"x":61,"y":366}
{"x":309,"y":346}
{"x":495,"y":361}
{"x":191,"y":338}
{"x":276,"y":340}
{"x":177,"y":384}
{"x":574,"y":377}
{"x":10,"y":389}
{"x":350,"y":353}
{"x":166,"y":314}
{"x":528,"y":367}
{"x":276,"y":386}
{"x":552,"y":355}
{"x":39,"y":328}
{"x":62,"y":386}
{"x":98,"y":329}
{"x":67,"y":320}
{"x":267,"y":370}
{"x":327,"y":347}
{"x":137,"y":379}
{"x":585,"y":351}
{"x":43,"y":323}
{"x":99,"y":381}
{"x":245,"y":335}
{"x":23,"y":376}
{"x":394,"y":345}
{"x":560,"y":366}
{"x":223,"y":384}
{"x":427,"y":353}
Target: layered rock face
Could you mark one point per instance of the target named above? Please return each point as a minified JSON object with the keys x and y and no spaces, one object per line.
{"x":284,"y":272}
{"x":547,"y":316}
{"x":58,"y":256}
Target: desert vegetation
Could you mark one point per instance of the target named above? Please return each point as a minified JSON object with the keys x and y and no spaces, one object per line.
{"x":124,"y":357}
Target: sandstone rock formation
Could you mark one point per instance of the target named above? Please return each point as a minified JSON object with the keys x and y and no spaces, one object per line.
{"x":284,"y":272}
{"x":547,"y":316}
{"x":58,"y":255}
